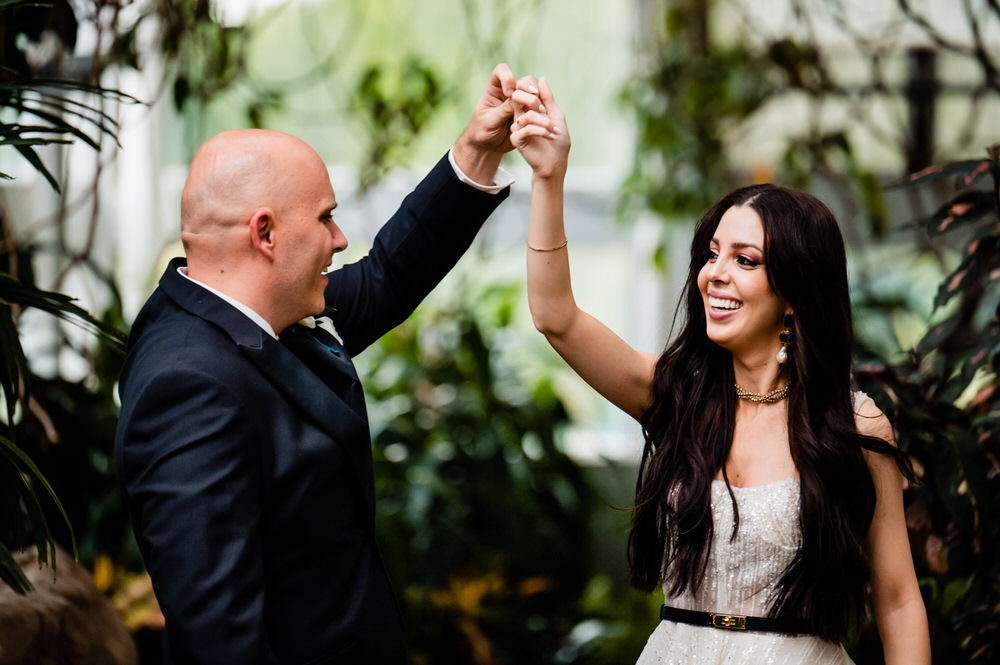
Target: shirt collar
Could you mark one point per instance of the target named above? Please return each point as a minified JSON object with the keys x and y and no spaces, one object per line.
{"x":249,"y":313}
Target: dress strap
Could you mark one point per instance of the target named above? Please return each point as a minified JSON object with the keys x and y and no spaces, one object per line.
{"x":859,"y":397}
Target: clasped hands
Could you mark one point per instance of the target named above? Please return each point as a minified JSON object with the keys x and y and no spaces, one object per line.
{"x":514,"y":113}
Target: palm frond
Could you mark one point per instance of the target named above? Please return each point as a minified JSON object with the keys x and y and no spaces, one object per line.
{"x":10,"y":4}
{"x":36,"y":161}
{"x":16,"y":468}
{"x":59,"y":124}
{"x":34,"y":508}
{"x":59,"y":84}
{"x":57,"y":304}
{"x":11,"y":573}
{"x":63,"y":118}
{"x":13,"y":364}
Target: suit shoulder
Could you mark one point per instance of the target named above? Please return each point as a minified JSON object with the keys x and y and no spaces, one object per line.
{"x":175,"y":345}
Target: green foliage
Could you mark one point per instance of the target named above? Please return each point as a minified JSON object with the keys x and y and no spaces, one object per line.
{"x":483,"y":518}
{"x":46,"y":110}
{"x":19,"y":505}
{"x":945,"y":402}
{"x":485,"y":523}
{"x":690,"y":96}
{"x":203,"y":57}
{"x":58,"y":118}
{"x":50,"y":103}
{"x":695,"y":100}
{"x":79,"y":461}
{"x":395,"y":105}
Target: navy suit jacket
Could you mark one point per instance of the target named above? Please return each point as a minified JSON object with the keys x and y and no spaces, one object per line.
{"x":246,"y":461}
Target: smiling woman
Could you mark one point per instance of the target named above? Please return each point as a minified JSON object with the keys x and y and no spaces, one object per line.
{"x":769,"y":495}
{"x":740,"y":307}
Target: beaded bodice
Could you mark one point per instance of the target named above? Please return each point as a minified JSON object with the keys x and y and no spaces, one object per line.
{"x":742,"y":574}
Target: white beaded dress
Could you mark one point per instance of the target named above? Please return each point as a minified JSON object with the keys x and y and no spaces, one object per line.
{"x":741,"y":578}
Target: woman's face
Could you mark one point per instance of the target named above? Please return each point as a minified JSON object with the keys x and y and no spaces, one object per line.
{"x":742,"y":313}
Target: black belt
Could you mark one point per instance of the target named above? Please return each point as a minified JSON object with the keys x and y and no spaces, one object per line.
{"x":733,"y":621}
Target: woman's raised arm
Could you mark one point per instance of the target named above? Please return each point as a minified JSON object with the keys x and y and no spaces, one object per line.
{"x":620,"y":373}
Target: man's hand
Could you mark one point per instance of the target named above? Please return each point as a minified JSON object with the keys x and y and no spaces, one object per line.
{"x":486,"y":139}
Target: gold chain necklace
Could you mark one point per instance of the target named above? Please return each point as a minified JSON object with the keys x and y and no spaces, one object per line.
{"x":775,"y":395}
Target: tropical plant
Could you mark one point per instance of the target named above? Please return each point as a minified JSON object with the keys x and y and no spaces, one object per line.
{"x":486,"y":524}
{"x":703,"y":100}
{"x":945,"y":402}
{"x":482,"y":516}
{"x":395,"y":107}
{"x":36,"y":111}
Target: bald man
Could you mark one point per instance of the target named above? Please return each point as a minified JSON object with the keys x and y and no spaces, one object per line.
{"x":243,"y":446}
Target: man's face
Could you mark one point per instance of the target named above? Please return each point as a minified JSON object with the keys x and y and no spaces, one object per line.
{"x":306,"y":240}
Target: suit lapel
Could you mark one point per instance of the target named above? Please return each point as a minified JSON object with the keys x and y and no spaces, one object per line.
{"x":326,"y":408}
{"x":326,"y":356}
{"x":342,"y":415}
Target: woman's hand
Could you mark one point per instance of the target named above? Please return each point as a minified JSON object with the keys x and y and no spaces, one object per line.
{"x":539,"y":129}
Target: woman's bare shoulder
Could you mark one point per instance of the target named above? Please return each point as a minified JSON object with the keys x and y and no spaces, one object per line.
{"x":871,"y":420}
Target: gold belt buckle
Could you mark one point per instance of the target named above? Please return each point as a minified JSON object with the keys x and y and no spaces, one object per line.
{"x":730,"y":621}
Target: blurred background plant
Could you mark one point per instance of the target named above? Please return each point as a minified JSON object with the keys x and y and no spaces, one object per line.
{"x":43,"y":109}
{"x":59,"y":432}
{"x":486,"y":522}
{"x":945,"y":402}
{"x":506,"y":542}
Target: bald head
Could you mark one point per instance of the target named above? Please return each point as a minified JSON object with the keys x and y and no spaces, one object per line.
{"x":257,"y":222}
{"x":234,"y":174}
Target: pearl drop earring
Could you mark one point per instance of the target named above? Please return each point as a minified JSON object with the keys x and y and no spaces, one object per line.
{"x":786,"y":338}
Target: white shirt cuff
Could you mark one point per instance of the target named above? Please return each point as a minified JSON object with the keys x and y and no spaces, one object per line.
{"x":501,"y":179}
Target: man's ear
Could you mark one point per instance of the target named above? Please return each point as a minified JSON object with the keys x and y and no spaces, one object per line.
{"x":261,"y":227}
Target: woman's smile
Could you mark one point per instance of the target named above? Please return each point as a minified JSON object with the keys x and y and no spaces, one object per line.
{"x":741,"y":310}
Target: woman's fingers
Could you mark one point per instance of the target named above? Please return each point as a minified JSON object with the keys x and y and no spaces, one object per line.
{"x":527,"y":101}
{"x":537,"y":116}
{"x":523,"y":134}
{"x":549,"y":101}
{"x":534,"y":118}
{"x":528,"y":84}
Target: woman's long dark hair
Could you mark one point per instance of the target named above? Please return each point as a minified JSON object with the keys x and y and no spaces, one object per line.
{"x":689,"y":427}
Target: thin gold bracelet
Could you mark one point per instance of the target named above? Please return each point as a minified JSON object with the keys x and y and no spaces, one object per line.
{"x":548,"y":249}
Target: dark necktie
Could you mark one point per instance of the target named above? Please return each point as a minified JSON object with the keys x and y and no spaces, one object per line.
{"x":329,"y":361}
